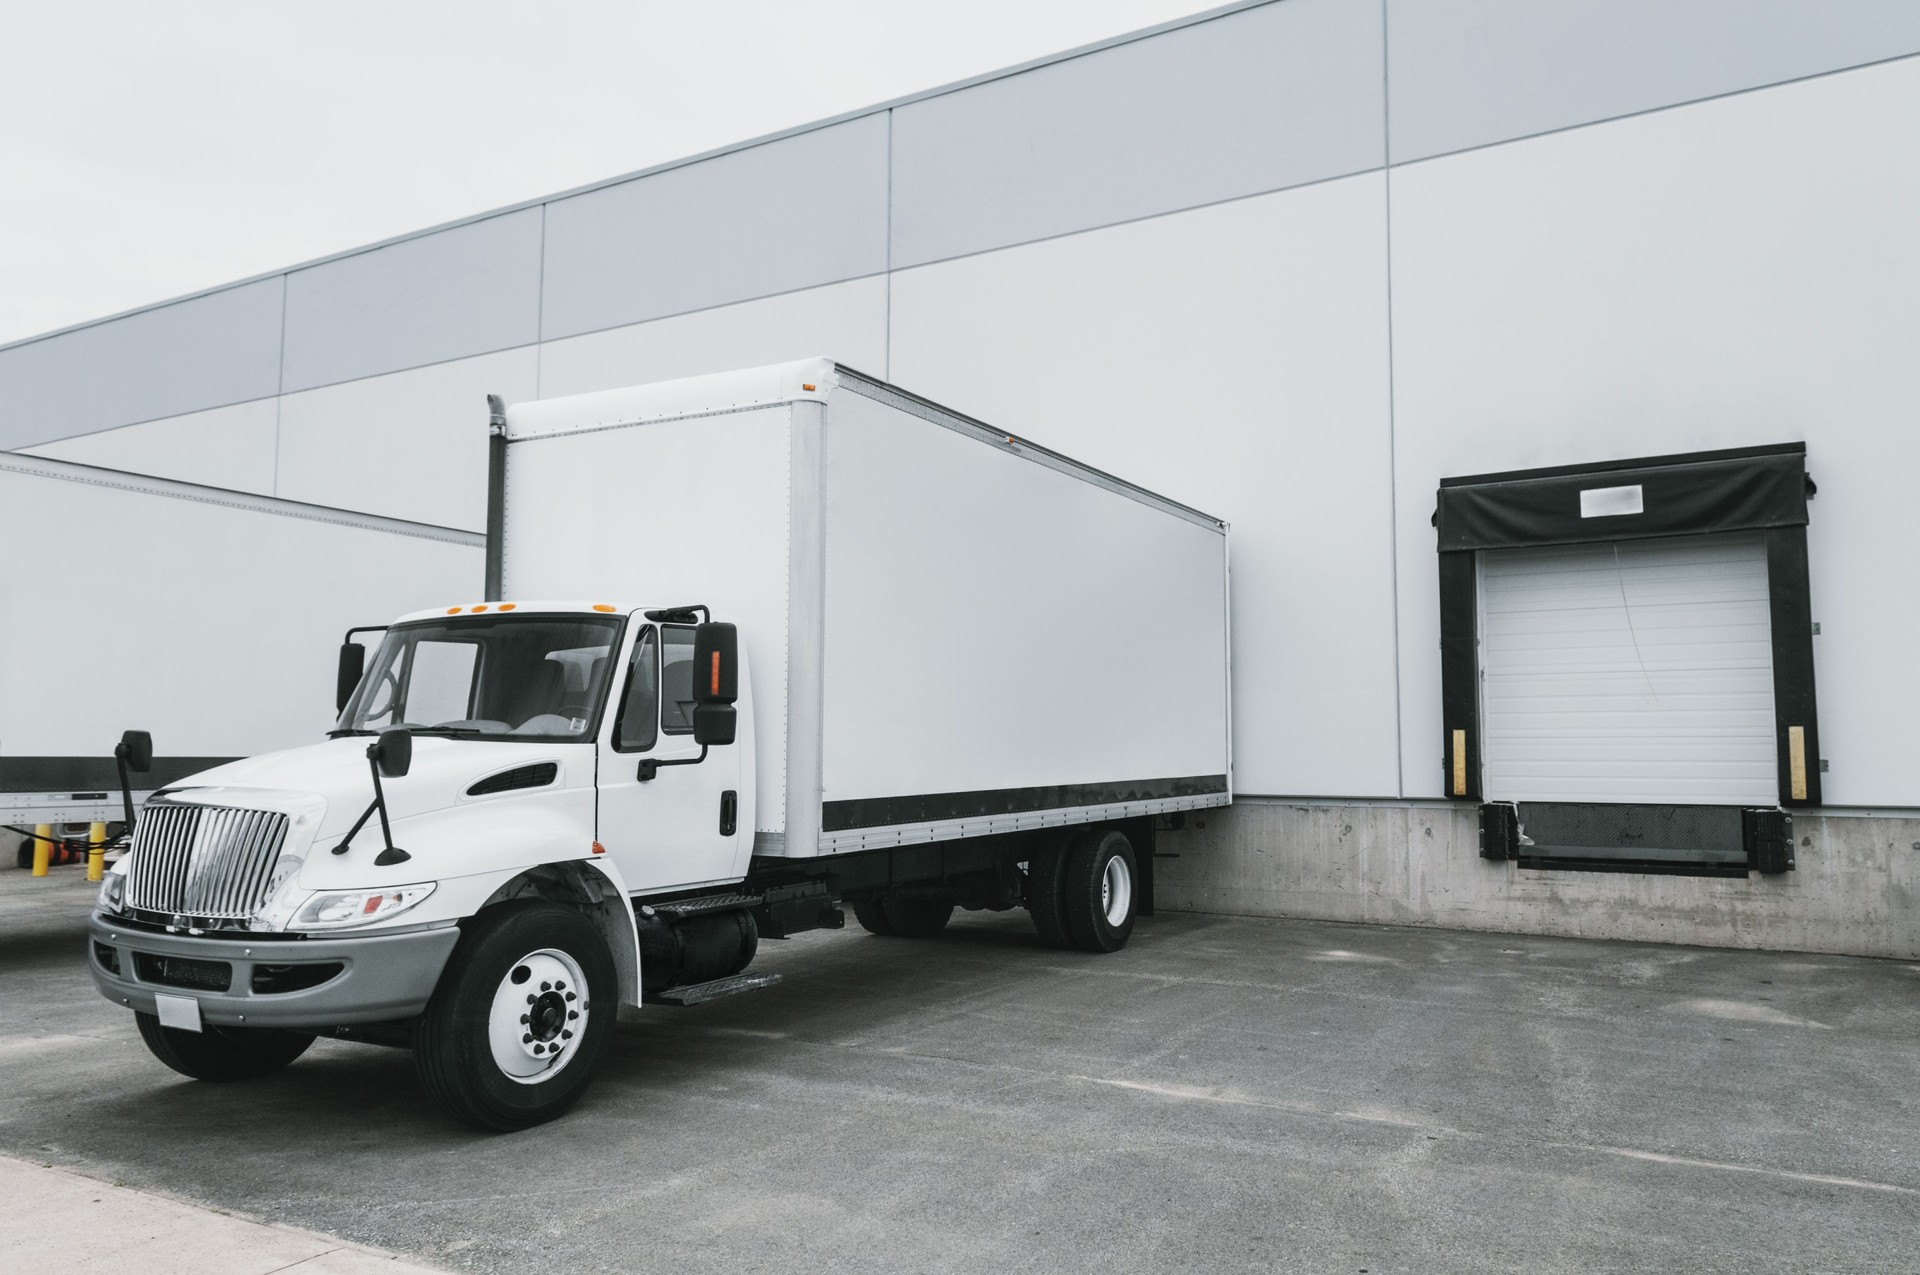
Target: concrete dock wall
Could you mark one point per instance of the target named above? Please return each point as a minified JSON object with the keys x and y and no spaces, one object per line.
{"x":1856,"y":889}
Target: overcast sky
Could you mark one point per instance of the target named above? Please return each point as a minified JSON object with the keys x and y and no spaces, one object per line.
{"x":152,"y":149}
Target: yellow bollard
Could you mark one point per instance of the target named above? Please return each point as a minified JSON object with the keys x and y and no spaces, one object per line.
{"x":96,"y":851}
{"x":42,"y":848}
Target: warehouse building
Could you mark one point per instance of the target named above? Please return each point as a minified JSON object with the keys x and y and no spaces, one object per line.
{"x":1552,"y":364}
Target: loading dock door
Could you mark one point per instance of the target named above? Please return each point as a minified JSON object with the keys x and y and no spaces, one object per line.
{"x":1633,"y":671}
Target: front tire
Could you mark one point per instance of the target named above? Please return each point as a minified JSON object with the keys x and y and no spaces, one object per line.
{"x":521,"y":1019}
{"x":221,"y":1054}
{"x":1099,"y":890}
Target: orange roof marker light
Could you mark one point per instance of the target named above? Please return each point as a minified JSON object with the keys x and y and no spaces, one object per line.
{"x":453,"y":610}
{"x":601,"y":606}
{"x":480,"y":608}
{"x":508,"y":606}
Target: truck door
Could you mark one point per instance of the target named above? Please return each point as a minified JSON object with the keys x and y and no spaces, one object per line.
{"x":668,"y":817}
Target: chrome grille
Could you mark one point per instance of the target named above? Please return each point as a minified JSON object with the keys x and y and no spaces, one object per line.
{"x":203,"y":862}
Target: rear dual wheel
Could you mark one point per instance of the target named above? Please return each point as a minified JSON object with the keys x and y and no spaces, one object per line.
{"x":1081,"y":890}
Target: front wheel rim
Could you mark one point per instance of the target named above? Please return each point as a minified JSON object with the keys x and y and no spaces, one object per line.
{"x":538,"y":1017}
{"x":1116,"y":891}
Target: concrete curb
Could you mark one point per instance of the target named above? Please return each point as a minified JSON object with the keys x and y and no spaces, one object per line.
{"x":59,"y":1220}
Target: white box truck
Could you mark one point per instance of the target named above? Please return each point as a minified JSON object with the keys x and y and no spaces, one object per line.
{"x":753,"y":646}
{"x":209,"y":616}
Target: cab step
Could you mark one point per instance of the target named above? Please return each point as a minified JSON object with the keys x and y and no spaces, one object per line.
{"x":701,"y":993}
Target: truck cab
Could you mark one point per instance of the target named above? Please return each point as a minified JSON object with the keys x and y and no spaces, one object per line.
{"x":562,"y":757}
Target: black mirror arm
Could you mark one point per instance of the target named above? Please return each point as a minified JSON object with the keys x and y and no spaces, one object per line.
{"x":358,"y":824}
{"x":126,"y":785}
{"x":650,"y":766}
{"x":392,"y":854}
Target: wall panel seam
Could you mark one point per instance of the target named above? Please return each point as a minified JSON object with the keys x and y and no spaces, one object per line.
{"x":1143,"y":217}
{"x":1393,"y":441}
{"x":1651,"y":110}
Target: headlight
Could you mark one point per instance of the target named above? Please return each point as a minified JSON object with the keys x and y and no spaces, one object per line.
{"x":282,"y":894}
{"x":113,"y":891}
{"x":337,"y":909}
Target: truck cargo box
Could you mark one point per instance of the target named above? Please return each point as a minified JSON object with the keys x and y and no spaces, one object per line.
{"x":952,"y":631}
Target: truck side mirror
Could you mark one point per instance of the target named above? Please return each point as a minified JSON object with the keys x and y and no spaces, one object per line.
{"x":353,"y":663}
{"x":716,"y":683}
{"x":393,"y":752}
{"x":716,"y":663}
{"x":136,"y":750}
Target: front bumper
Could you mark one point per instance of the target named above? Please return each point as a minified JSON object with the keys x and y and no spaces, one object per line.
{"x":381,"y":976}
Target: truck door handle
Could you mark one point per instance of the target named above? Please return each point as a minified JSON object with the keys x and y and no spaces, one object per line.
{"x":729,"y":811}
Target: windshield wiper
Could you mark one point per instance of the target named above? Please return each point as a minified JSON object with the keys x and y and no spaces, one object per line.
{"x":452,"y":730}
{"x":342,"y":732}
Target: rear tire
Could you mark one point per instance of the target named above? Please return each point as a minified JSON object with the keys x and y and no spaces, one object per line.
{"x":872,"y":917}
{"x":917,"y":918}
{"x":1045,"y":904}
{"x":903,"y":918}
{"x":523,"y":975}
{"x":1100,"y":890}
{"x":222,"y":1054}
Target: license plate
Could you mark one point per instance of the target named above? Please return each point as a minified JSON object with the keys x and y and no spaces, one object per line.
{"x":182,"y":1012}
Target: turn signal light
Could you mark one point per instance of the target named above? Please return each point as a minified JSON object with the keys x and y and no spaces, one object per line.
{"x":598,"y":848}
{"x":806,"y":387}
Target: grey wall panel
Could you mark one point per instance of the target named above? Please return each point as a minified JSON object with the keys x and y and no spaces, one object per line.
{"x":205,"y":352}
{"x":1469,"y":72}
{"x":801,"y":211}
{"x":465,"y":290}
{"x":1254,"y":101}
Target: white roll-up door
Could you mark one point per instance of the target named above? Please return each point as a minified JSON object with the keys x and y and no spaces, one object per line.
{"x":1638,"y":671}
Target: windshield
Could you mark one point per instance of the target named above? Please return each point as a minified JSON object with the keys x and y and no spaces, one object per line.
{"x":507,"y":677}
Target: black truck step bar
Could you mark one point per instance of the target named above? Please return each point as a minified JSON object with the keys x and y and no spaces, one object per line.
{"x":701,"y":993}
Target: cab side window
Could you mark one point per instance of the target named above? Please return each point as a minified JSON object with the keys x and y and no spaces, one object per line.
{"x":636,"y":729}
{"x":676,"y":680}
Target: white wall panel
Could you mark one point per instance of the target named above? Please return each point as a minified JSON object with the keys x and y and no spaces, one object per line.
{"x":205,"y":352}
{"x":846,"y":322}
{"x":231,"y":447}
{"x":410,"y":445}
{"x":1469,"y":72}
{"x":467,"y":290}
{"x":1233,"y":358}
{"x":794,"y":213}
{"x":1253,"y":101}
{"x":1737,"y":272}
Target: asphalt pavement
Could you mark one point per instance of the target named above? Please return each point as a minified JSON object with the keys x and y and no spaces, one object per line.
{"x":1225,"y":1094}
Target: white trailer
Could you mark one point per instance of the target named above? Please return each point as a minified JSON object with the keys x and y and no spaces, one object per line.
{"x":822,"y":643}
{"x":205,"y":616}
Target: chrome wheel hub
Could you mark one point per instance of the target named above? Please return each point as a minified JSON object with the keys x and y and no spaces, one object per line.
{"x":1116,"y":891}
{"x":538,"y":1016}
